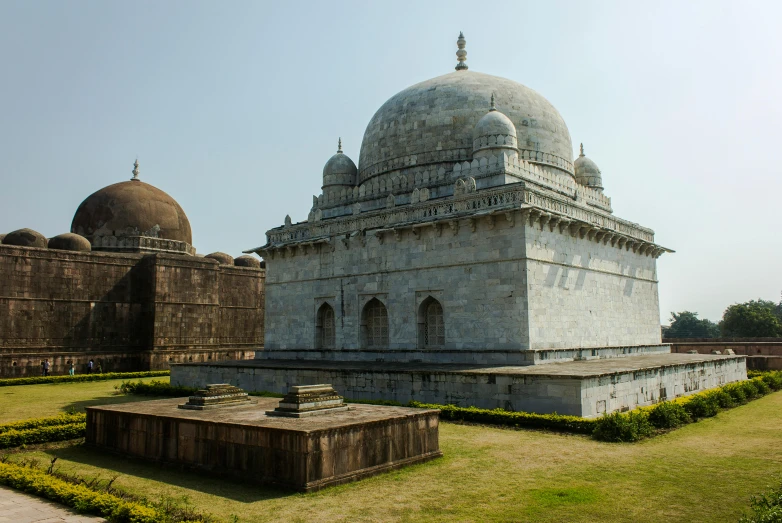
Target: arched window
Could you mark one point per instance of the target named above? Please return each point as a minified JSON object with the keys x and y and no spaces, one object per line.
{"x":431,"y":326}
{"x":324,"y":330}
{"x":374,"y":324}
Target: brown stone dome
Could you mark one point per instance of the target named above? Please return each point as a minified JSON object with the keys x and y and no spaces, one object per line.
{"x":247,"y":261}
{"x":221,"y":257}
{"x":25,"y":238}
{"x":132,"y":208}
{"x":70,"y":242}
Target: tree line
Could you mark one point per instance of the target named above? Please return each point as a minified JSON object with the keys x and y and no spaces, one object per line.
{"x":753,"y":319}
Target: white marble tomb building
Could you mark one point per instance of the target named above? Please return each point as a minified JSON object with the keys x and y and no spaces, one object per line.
{"x":467,"y":237}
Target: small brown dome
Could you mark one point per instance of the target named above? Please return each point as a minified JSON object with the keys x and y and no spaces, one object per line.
{"x":223,"y":258}
{"x":25,"y":238}
{"x":247,"y":261}
{"x":132,"y":208}
{"x":70,"y":242}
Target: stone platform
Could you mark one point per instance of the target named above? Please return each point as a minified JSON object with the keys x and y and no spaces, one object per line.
{"x":582,"y":388}
{"x":304,"y":454}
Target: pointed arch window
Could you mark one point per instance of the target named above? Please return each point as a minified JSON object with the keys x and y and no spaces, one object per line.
{"x":325,"y":328}
{"x":374,"y":324}
{"x":431,"y":324}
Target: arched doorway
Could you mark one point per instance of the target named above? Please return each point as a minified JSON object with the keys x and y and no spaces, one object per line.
{"x":324,"y":328}
{"x":374,"y":324}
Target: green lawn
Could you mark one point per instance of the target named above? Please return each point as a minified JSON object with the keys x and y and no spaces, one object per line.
{"x":37,"y":401}
{"x":704,"y":472}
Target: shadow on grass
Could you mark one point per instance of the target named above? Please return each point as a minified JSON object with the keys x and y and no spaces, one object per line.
{"x":112,"y":399}
{"x":171,"y":474}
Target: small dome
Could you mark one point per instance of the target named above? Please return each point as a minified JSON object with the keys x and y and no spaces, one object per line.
{"x":587,"y":172}
{"x":221,"y":257}
{"x":132,"y":208}
{"x":340,"y":169}
{"x":247,"y":261}
{"x":1,"y":237}
{"x":494,"y":130}
{"x":25,"y":238}
{"x":70,"y":242}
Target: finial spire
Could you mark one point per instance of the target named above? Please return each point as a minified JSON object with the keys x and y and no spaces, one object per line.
{"x":582,"y":150}
{"x":493,"y":107}
{"x":461,"y":54}
{"x":339,"y":145}
{"x":135,"y":171}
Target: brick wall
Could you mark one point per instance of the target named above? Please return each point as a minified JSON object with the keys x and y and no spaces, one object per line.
{"x":130,"y":311}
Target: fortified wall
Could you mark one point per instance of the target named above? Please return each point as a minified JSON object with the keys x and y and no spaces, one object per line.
{"x":125,"y":311}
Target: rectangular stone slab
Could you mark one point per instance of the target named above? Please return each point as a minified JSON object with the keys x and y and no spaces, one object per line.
{"x":304,"y":454}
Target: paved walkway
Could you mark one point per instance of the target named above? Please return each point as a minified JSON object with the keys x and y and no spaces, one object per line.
{"x":18,"y":507}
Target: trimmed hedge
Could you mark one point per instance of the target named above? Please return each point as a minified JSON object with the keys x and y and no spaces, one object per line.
{"x":512,"y":419}
{"x":62,"y":419}
{"x":16,"y":438}
{"x":620,"y":427}
{"x":9,"y":382}
{"x":79,"y":497}
{"x":154,"y":388}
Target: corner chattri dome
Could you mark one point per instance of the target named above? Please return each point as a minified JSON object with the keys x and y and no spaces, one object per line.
{"x":339,"y":169}
{"x":587,"y":172}
{"x":494,"y":130}
{"x":432,"y":122}
{"x":131,"y":208}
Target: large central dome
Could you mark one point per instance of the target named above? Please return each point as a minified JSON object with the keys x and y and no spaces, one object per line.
{"x":432,"y":122}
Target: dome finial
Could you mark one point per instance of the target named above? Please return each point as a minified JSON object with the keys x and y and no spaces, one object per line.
{"x":582,"y":150}
{"x":461,"y":54}
{"x":339,"y":145}
{"x":493,"y":107}
{"x":135,"y":171}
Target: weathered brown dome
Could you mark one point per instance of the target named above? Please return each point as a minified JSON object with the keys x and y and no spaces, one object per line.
{"x":132,"y":208}
{"x":69,"y":242}
{"x":25,"y":238}
{"x":223,"y":258}
{"x":247,"y":261}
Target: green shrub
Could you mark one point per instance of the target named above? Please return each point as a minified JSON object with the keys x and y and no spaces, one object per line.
{"x":80,"y":378}
{"x":721,"y":398}
{"x":79,"y":497}
{"x":154,"y":388}
{"x":773,"y":380}
{"x":766,"y":507}
{"x":62,"y":419}
{"x":750,"y":389}
{"x":736,"y":391}
{"x":16,"y":438}
{"x":668,"y":415}
{"x":623,"y":427}
{"x":701,"y":406}
{"x":511,"y":419}
{"x":762,"y":386}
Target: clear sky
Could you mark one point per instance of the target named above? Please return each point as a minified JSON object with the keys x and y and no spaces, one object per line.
{"x":234,"y":107}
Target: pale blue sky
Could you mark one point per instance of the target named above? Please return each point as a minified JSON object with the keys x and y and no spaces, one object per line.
{"x":233,"y":108}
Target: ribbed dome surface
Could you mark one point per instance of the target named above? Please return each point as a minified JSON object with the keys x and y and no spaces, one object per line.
{"x":432,"y":122}
{"x":132,"y":208}
{"x":339,"y":170}
{"x":587,"y":172}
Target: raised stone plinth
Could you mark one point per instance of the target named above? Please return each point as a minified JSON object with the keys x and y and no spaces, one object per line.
{"x":309,"y":400}
{"x":216,"y":396}
{"x":244,"y":442}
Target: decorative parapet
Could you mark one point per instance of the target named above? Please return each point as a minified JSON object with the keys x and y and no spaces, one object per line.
{"x":509,"y":201}
{"x":141,"y":244}
{"x":478,"y":168}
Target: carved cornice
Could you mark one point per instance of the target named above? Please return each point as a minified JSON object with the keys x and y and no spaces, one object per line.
{"x":530,"y":204}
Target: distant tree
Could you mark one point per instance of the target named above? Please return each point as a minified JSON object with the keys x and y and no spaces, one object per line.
{"x":686,"y":324}
{"x":753,"y":319}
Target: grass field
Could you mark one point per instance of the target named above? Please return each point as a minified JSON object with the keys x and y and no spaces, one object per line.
{"x":704,"y":472}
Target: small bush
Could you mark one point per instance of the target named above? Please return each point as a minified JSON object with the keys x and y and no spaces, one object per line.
{"x":736,"y":391}
{"x":511,"y":419}
{"x":750,"y":389}
{"x":773,"y":380}
{"x":62,"y":419}
{"x":80,"y":378}
{"x":762,"y":386}
{"x":701,"y":406}
{"x":668,"y":415}
{"x":17,"y":438}
{"x":722,"y":398}
{"x":623,"y":427}
{"x":766,"y":507}
{"x":154,"y":388}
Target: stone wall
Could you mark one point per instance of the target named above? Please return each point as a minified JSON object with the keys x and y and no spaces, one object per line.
{"x":503,"y":285}
{"x":762,"y":353}
{"x":126,"y":311}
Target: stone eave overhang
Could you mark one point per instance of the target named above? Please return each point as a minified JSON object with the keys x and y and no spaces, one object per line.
{"x":512,"y":202}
